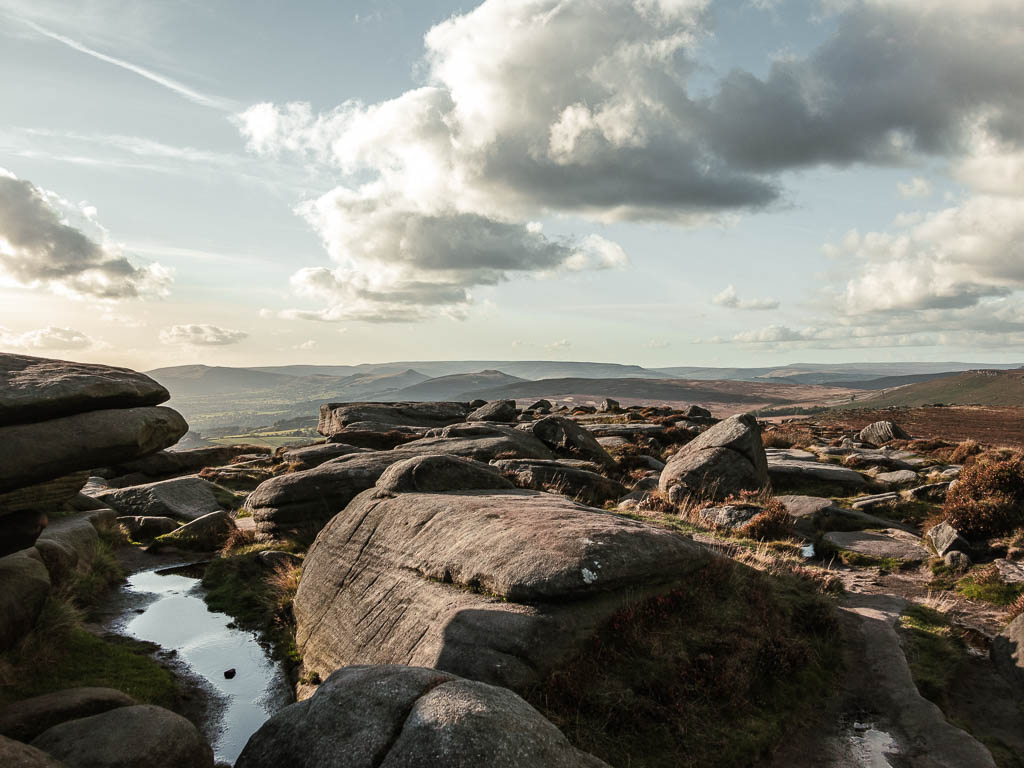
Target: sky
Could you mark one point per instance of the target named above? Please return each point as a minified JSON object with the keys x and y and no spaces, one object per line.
{"x":655,"y":182}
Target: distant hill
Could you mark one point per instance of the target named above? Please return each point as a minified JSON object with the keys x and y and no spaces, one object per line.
{"x":888,"y":382}
{"x":828,"y":374}
{"x":684,"y":390}
{"x":187,"y":380}
{"x":455,"y":386}
{"x":524,"y":369}
{"x":985,"y":387}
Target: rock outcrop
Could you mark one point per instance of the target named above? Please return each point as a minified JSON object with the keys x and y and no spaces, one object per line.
{"x":482,"y":441}
{"x":335,"y":417}
{"x":496,"y":410}
{"x":725,"y":459}
{"x":26,"y":584}
{"x":30,"y":717}
{"x":59,"y":419}
{"x":140,"y":736}
{"x":392,"y":716}
{"x":882,"y":432}
{"x":498,"y":586}
{"x":14,"y":754}
{"x":569,"y":440}
{"x":575,"y":479}
{"x":183,"y":498}
{"x":34,"y":389}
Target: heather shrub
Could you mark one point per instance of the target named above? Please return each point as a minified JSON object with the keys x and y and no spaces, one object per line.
{"x":773,"y":523}
{"x":988,"y":499}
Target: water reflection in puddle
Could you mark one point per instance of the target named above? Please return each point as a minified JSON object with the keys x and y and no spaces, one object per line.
{"x":178,"y":619}
{"x":869,"y":747}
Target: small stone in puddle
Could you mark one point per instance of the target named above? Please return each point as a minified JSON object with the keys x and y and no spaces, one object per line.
{"x":230,"y":673}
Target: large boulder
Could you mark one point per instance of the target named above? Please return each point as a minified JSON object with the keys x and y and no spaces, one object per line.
{"x":205,"y":533}
{"x":565,"y":477}
{"x":310,"y":456}
{"x":14,"y":754}
{"x":164,"y":464}
{"x":140,"y":736}
{"x":498,"y":586}
{"x":68,"y":546}
{"x":944,"y":539}
{"x":410,"y":717}
{"x":26,"y":719}
{"x":430,"y":474}
{"x":26,"y":585}
{"x":37,"y":389}
{"x":724,"y":460}
{"x":303,"y":502}
{"x":882,"y":432}
{"x":183,"y":498}
{"x":335,"y":417}
{"x":785,"y":472}
{"x":1007,"y":652}
{"x":568,"y":439}
{"x":880,"y":545}
{"x":482,"y":441}
{"x":147,"y":527}
{"x":496,"y":410}
{"x":49,"y":495}
{"x":33,"y":453}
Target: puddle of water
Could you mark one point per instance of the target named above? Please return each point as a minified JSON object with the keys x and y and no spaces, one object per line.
{"x":868,"y":747}
{"x":178,"y":619}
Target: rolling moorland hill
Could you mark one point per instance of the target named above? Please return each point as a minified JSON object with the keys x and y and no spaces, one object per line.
{"x":216,"y":397}
{"x":982,"y":387}
{"x":452,"y":387}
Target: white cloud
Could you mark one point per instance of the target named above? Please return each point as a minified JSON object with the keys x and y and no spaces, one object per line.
{"x":656,"y":344}
{"x":917,"y":187}
{"x":39,"y":247}
{"x":201,"y":335}
{"x":307,"y":346}
{"x":558,"y":346}
{"x":728,"y":298}
{"x":50,"y":338}
{"x":439,"y":186}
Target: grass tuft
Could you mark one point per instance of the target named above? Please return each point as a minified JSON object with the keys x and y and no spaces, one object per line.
{"x":711,"y":675}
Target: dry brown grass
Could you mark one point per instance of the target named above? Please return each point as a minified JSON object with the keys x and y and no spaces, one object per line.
{"x":1016,"y":609}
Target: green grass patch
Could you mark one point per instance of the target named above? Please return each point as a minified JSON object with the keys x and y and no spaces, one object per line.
{"x":712,"y":674}
{"x":989,"y":590}
{"x":60,"y":654}
{"x":933,"y":652}
{"x":256,"y":598}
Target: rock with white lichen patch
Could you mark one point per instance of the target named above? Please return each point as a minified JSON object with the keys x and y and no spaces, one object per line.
{"x":495,"y":585}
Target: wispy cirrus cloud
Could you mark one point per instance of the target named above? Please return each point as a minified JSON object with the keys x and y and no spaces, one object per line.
{"x":193,"y":95}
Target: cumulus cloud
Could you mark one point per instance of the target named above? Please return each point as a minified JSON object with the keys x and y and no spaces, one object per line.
{"x":201,"y":335}
{"x":728,"y":298}
{"x":897,"y":78}
{"x":437,"y":186}
{"x":50,"y":338}
{"x":40,"y":248}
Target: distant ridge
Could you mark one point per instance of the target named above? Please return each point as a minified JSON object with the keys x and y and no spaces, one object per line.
{"x":978,"y":387}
